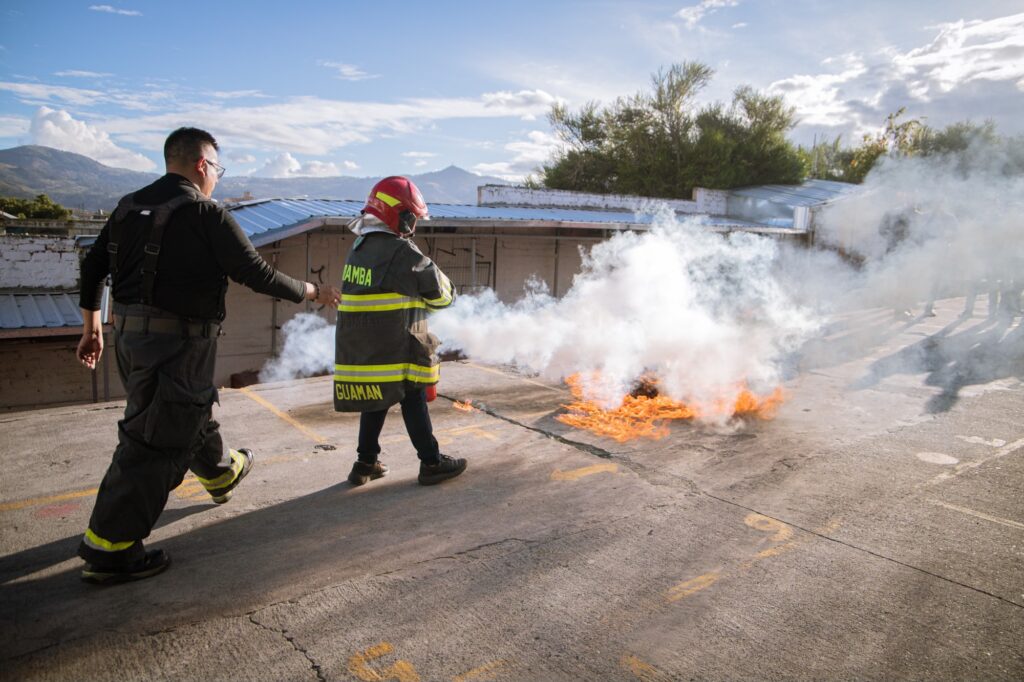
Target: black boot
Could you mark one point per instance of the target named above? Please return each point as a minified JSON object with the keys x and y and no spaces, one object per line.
{"x":445,"y":468}
{"x":364,"y":472}
{"x":156,"y":561}
{"x":223,"y":494}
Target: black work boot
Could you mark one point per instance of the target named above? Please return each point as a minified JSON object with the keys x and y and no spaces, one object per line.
{"x":445,"y":468}
{"x":156,"y":561}
{"x":223,"y":494}
{"x":364,"y":472}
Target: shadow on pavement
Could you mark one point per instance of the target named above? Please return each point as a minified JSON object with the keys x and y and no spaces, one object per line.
{"x":26,"y":562}
{"x":248,"y":561}
{"x":988,"y":351}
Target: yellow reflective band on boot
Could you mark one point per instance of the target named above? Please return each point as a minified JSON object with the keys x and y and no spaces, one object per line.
{"x":96,"y":542}
{"x":228,"y":477}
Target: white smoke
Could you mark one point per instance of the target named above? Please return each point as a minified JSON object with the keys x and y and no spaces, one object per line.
{"x":308,"y":349}
{"x":702,"y":311}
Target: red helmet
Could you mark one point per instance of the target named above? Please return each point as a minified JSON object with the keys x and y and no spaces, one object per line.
{"x":397,"y":202}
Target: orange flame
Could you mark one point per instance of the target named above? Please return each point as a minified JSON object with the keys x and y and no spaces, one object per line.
{"x":464,"y":407}
{"x":645,"y":416}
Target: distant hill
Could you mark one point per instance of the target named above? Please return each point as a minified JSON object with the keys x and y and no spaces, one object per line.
{"x":77,"y":181}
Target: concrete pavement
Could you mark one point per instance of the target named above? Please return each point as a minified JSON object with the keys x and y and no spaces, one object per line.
{"x":873,"y":530}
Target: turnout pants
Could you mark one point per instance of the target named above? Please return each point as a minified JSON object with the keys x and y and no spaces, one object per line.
{"x":417,"y":423}
{"x":166,"y":365}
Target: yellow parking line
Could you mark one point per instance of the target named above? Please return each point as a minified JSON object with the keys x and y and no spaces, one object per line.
{"x":508,"y":376}
{"x":31,"y":502}
{"x":487,"y":671}
{"x":642,"y":670}
{"x":255,"y":397}
{"x":576,"y":474}
{"x":688,"y":587}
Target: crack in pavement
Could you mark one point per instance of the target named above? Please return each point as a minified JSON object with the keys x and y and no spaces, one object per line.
{"x":648,"y":475}
{"x":314,"y":665}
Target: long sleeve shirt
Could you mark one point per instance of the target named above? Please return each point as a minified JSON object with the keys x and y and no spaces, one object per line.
{"x":202,"y":247}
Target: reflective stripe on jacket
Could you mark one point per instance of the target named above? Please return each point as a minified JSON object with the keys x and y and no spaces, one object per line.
{"x":382,"y":345}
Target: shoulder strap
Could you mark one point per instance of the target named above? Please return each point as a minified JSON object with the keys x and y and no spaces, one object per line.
{"x":124,"y":207}
{"x":151,"y":251}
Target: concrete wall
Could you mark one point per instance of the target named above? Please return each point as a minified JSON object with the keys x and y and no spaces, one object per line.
{"x":38,"y":262}
{"x":44,"y":371}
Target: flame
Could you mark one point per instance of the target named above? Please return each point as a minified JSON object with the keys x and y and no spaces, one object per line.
{"x":646,"y":413}
{"x":464,"y":407}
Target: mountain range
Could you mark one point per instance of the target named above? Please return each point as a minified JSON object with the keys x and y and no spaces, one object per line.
{"x":76,"y":181}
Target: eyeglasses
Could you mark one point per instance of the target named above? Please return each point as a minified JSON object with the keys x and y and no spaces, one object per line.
{"x":221,"y":170}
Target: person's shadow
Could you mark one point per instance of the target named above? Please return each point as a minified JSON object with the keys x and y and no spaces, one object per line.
{"x":243,"y":563}
{"x":980,"y":354}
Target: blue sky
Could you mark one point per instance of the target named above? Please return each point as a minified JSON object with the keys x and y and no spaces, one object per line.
{"x":369,"y":89}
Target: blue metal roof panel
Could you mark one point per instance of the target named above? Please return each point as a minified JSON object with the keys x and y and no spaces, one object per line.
{"x":274,"y":219}
{"x":808,"y":194}
{"x":24,"y":311}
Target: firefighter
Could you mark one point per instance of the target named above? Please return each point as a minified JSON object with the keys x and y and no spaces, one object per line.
{"x":169,"y":251}
{"x":384,"y":353}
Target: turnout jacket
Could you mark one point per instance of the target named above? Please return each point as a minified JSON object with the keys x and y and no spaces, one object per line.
{"x":382,"y":346}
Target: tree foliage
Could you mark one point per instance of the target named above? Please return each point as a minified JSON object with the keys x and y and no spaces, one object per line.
{"x":40,"y":208}
{"x":659,"y":143}
{"x":967,"y":144}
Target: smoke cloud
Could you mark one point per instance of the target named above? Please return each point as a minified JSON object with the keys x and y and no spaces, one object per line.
{"x":703,"y":312}
{"x":308,"y":349}
{"x":707,"y":312}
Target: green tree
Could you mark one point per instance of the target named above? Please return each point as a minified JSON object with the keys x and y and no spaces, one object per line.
{"x":660,"y":144}
{"x":40,"y":208}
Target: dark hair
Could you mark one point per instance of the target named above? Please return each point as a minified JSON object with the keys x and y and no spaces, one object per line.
{"x":186,"y":145}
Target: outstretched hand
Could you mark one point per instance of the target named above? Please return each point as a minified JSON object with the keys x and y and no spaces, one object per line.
{"x":329,"y":296}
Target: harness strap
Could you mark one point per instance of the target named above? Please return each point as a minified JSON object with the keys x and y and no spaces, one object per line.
{"x":161,"y":215}
{"x":151,"y":251}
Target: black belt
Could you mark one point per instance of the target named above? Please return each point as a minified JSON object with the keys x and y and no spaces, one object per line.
{"x":164,"y":325}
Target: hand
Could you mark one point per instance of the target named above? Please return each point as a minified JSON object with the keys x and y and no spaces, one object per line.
{"x":329,"y":296}
{"x":90,"y":348}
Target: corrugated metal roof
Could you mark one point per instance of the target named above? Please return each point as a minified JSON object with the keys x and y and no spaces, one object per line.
{"x":22,"y":311}
{"x":809,"y":193}
{"x":273,"y":219}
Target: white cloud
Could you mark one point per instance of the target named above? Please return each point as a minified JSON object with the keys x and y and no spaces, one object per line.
{"x":240,"y":158}
{"x":347,"y":72}
{"x":53,"y":128}
{"x":420,"y":158}
{"x":236,"y":94}
{"x":530,"y":102}
{"x":40,"y":92}
{"x":740,"y":24}
{"x":114,"y":10}
{"x":693,"y":15}
{"x":350,"y":165}
{"x":818,"y":99}
{"x":285,"y":165}
{"x":75,"y":73}
{"x":969,"y":70}
{"x":527,"y":155}
{"x":13,"y":126}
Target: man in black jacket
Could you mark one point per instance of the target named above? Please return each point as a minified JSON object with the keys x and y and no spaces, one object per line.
{"x":169,"y":251}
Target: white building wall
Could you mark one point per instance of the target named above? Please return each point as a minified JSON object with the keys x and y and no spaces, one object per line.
{"x":38,"y":262}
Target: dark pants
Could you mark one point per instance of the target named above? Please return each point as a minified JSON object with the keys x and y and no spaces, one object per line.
{"x":417,"y":423}
{"x":167,"y":429}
